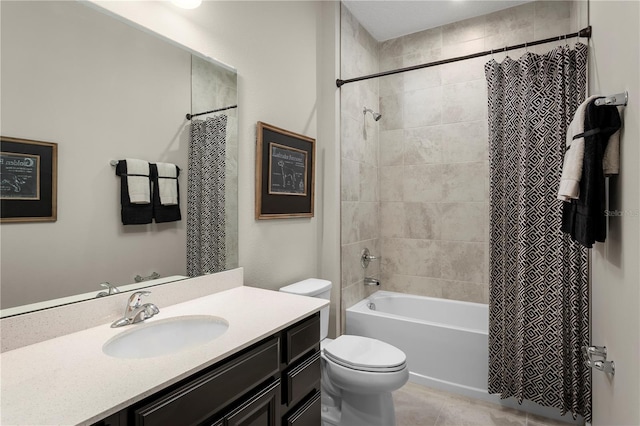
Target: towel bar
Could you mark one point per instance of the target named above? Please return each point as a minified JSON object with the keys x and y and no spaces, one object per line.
{"x":619,"y":99}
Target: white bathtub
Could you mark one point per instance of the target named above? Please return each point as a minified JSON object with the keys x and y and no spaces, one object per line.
{"x":446,"y":343}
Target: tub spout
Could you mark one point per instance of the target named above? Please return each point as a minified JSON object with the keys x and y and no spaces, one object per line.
{"x":371,"y":281}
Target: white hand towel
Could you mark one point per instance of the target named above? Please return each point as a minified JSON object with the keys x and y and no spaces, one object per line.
{"x":573,"y":157}
{"x":139,"y":186}
{"x":611,"y":159}
{"x":167,"y":183}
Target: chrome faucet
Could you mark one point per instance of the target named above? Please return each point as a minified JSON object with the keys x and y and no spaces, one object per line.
{"x":111,"y":289}
{"x":135,"y":311}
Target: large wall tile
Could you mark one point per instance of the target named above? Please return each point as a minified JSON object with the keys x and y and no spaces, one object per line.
{"x":422,"y":107}
{"x":423,"y":145}
{"x":463,"y":182}
{"x":391,"y":183}
{"x":368,"y":220}
{"x":391,"y":145}
{"x":350,"y":182}
{"x":422,"y":57}
{"x":464,"y":102}
{"x":421,"y":79}
{"x":411,"y":257}
{"x":461,"y":31}
{"x":391,"y":108}
{"x":368,"y":182}
{"x":461,"y":49}
{"x":392,"y":220}
{"x":466,"y":291}
{"x":462,"y":261}
{"x":352,"y":142}
{"x":465,"y":142}
{"x":420,"y":286}
{"x":423,"y":183}
{"x":510,"y":20}
{"x":462,"y":221}
{"x":454,"y":73}
{"x":349,"y":225}
{"x":423,"y":221}
{"x":422,"y":41}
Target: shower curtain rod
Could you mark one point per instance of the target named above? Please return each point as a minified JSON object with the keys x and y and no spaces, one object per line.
{"x":585,"y":33}
{"x":190,"y":116}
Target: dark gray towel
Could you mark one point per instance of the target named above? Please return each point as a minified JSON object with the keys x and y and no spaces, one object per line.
{"x":132,"y":214}
{"x":584,"y":219}
{"x":164,"y":213}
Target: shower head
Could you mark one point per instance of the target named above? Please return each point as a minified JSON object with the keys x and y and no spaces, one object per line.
{"x":376,"y":116}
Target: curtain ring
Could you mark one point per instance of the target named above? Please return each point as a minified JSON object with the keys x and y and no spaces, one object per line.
{"x":526,"y":48}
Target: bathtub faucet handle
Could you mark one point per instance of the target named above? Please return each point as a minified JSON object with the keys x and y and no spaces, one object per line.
{"x":366,"y":258}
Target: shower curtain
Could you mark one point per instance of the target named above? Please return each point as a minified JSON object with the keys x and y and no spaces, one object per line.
{"x":539,"y":288}
{"x":206,"y":251}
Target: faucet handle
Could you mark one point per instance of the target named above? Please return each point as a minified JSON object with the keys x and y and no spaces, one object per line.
{"x":135,"y":300}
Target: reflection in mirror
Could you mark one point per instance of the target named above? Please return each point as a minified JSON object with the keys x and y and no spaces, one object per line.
{"x":102,"y":90}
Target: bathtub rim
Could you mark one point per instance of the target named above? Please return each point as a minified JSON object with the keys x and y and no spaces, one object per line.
{"x":361,"y":307}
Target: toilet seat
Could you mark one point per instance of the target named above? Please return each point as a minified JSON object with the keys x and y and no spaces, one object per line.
{"x":365,"y":354}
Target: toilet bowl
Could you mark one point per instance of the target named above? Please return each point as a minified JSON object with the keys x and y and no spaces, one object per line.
{"x":358,"y":373}
{"x":361,"y":373}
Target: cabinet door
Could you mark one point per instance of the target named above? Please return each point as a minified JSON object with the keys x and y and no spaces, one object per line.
{"x":260,"y":410}
{"x":308,"y":414}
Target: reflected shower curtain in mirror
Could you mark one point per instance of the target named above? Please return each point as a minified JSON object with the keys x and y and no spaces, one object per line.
{"x":539,"y":288}
{"x":206,"y":251}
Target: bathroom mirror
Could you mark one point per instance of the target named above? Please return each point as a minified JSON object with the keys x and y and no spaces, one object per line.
{"x":102,"y":90}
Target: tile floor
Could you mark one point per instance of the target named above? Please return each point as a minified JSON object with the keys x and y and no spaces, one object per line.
{"x":420,"y":406}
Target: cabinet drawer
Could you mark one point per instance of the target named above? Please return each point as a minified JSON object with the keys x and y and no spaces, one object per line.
{"x":205,"y":395}
{"x":302,"y":338}
{"x":260,"y":410}
{"x":308,"y":414}
{"x":300,"y":380}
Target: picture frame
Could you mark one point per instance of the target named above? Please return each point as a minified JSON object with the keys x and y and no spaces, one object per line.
{"x":285,"y":173}
{"x":28,"y":180}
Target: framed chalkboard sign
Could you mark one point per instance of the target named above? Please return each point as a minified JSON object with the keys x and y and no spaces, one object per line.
{"x":28,"y":180}
{"x":285,"y":174}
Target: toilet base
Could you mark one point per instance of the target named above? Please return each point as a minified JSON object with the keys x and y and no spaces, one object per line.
{"x":361,"y":410}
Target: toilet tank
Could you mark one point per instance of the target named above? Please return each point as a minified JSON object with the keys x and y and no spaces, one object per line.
{"x":314,"y":287}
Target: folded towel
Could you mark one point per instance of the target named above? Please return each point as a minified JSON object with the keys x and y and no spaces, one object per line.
{"x":573,"y":157}
{"x":132,"y":214}
{"x":167,"y":183}
{"x":138,"y":181}
{"x":165,"y":212}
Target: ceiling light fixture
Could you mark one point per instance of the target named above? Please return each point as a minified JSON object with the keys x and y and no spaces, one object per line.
{"x":187,"y":4}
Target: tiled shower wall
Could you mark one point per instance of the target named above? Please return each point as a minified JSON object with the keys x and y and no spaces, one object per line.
{"x":431,"y":223}
{"x":433,"y":151}
{"x":360,"y":223}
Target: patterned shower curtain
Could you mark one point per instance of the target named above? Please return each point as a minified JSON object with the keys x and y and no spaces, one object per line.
{"x":206,"y":251}
{"x":539,"y":288}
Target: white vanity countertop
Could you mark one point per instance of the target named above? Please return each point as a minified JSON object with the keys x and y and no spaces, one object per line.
{"x":69,"y":380}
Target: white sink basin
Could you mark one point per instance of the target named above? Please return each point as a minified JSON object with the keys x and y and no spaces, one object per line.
{"x":165,"y":336}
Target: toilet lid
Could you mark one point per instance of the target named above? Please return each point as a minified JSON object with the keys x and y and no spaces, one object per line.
{"x":366,"y":354}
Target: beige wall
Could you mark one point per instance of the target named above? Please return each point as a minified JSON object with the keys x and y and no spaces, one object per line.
{"x":359,"y":192}
{"x":614,"y":66}
{"x":433,"y":150}
{"x":102,"y":91}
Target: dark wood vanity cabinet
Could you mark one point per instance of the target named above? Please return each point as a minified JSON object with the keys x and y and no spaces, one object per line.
{"x":273,"y":382}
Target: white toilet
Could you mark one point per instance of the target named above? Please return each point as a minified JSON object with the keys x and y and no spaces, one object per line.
{"x":358,"y":373}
